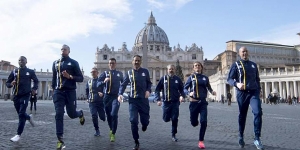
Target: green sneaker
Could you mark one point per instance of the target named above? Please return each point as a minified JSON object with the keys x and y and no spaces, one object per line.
{"x":81,"y":118}
{"x":112,"y":138}
{"x":60,"y":145}
{"x":110,"y":133}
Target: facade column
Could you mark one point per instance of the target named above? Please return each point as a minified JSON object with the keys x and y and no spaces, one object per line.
{"x":46,"y":90}
{"x":1,"y":85}
{"x":40,"y":89}
{"x":153,"y":76}
{"x":234,"y":94}
{"x":224,"y":88}
{"x":161,"y":72}
{"x":273,"y":90}
{"x":295,"y":89}
{"x":266,"y":92}
{"x":280,"y":88}
{"x":287,"y":89}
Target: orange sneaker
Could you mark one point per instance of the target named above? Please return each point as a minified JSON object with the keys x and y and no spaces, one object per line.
{"x":201,"y":145}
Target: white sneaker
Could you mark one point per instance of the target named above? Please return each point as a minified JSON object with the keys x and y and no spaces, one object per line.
{"x":16,"y":138}
{"x":31,"y":121}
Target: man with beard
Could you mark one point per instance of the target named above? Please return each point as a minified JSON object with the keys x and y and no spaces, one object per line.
{"x":140,"y":85}
{"x":172,"y":94}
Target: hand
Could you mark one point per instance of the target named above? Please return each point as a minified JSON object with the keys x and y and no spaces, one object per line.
{"x":13,"y":83}
{"x":66,"y":74}
{"x":100,"y":94}
{"x":191,"y":93}
{"x":181,"y":99}
{"x":87,"y":101}
{"x":147,"y":93}
{"x":159,"y":103}
{"x":240,"y":86}
{"x":120,"y":98}
{"x":106,"y":80}
{"x":33,"y":92}
{"x":214,"y":93}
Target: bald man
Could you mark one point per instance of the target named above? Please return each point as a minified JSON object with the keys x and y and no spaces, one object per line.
{"x":244,"y":76}
{"x":66,"y":73}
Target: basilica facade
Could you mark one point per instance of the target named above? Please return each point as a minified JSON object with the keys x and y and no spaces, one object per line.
{"x":155,"y":51}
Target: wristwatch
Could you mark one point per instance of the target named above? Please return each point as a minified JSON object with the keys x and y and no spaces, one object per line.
{"x":71,"y":77}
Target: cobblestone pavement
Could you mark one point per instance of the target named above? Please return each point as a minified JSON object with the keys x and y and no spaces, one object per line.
{"x":281,"y":127}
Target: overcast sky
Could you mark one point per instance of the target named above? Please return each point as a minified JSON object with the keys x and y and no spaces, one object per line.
{"x":38,"y":29}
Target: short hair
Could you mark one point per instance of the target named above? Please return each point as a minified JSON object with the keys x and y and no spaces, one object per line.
{"x":170,"y":65}
{"x":113,"y":59}
{"x":137,"y":56}
{"x":66,"y":46}
{"x":95,"y":69}
{"x":23,"y":57}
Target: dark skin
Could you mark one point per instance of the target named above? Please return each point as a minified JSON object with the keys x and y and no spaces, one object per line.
{"x":22,"y":63}
{"x":65,"y":51}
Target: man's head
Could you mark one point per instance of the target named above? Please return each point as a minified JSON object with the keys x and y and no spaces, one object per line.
{"x":197,"y":67}
{"x":65,"y":50}
{"x":112,"y":63}
{"x":243,"y":52}
{"x":94,"y":72}
{"x":22,"y":61}
{"x":171,"y":69}
{"x":137,"y":61}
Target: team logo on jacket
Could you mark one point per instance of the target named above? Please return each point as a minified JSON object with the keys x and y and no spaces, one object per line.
{"x":203,"y":79}
{"x":69,"y":63}
{"x":176,"y":81}
{"x":143,"y":74}
{"x":253,"y":66}
{"x":27,"y":73}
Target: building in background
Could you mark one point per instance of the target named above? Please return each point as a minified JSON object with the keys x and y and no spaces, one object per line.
{"x":155,"y":50}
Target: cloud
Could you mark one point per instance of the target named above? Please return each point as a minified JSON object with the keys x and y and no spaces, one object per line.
{"x":167,"y":4}
{"x":281,"y":35}
{"x":36,"y":29}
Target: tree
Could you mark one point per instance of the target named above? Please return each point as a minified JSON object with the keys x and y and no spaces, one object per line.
{"x":179,"y":71}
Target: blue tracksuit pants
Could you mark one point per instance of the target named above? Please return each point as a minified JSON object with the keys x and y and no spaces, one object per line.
{"x":171,"y":112}
{"x":97,"y":109}
{"x":60,"y":100}
{"x":197,"y":108}
{"x":138,"y":107}
{"x":21,"y":103}
{"x":112,"y":106}
{"x":244,"y":98}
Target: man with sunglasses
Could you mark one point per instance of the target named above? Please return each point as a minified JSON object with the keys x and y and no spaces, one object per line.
{"x":66,"y":73}
{"x":111,"y":80}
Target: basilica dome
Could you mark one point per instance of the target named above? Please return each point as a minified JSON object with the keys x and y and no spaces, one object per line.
{"x":155,"y":35}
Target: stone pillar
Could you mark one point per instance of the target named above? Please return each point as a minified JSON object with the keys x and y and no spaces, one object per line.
{"x":280,"y":89}
{"x":161,"y":72}
{"x":1,"y":85}
{"x":266,"y":91}
{"x":224,"y":88}
{"x":154,"y":76}
{"x":295,"y":89}
{"x":287,"y":89}
{"x":40,"y":89}
{"x":233,"y":94}
{"x":273,"y":90}
{"x":46,"y":91}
